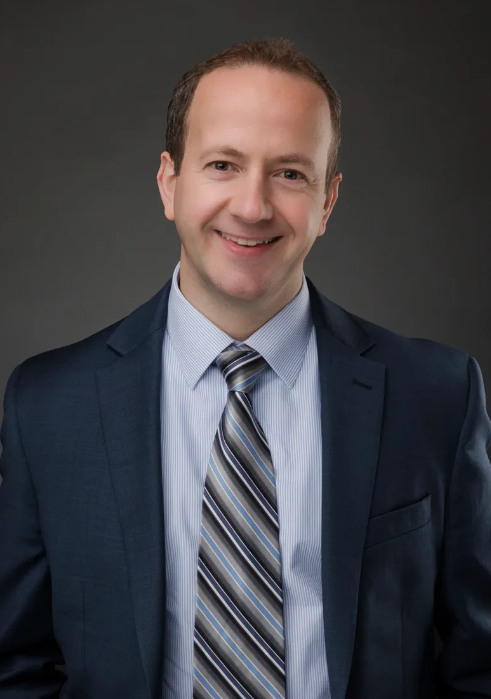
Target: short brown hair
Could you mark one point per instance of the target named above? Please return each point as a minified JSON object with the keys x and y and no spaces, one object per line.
{"x":280,"y":54}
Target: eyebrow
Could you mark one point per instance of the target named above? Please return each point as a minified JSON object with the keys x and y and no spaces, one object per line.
{"x":281,"y":159}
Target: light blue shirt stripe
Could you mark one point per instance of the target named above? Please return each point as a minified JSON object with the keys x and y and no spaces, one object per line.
{"x":286,"y":401}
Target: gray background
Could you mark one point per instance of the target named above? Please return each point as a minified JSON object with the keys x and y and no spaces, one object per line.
{"x":83,"y":236}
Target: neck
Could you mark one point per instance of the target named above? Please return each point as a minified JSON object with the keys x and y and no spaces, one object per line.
{"x":238,"y":317}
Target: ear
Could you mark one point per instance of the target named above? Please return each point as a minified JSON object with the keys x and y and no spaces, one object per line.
{"x":166,"y":180}
{"x":331,"y":198}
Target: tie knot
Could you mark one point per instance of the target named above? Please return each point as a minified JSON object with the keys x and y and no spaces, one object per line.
{"x":240,"y":366}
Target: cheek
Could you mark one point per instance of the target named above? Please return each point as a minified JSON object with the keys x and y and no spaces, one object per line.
{"x":300,"y":220}
{"x":200,"y":205}
{"x":313,"y":222}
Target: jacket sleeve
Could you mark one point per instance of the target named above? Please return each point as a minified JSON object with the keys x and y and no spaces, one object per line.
{"x":28,"y":648}
{"x":463,"y":588}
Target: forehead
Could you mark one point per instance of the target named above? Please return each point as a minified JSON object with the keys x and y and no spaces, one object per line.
{"x":258,"y":106}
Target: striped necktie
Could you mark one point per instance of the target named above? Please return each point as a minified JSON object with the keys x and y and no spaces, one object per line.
{"x":239,"y":646}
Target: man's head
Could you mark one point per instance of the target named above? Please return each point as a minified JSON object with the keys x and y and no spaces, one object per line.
{"x":260,"y":101}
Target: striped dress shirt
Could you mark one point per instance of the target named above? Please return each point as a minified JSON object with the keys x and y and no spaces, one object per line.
{"x":286,"y":401}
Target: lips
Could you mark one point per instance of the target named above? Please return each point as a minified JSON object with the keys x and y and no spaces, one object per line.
{"x":272,"y":241}
{"x":247,"y":251}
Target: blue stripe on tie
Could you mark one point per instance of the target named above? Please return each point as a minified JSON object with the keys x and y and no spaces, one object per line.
{"x":233,"y":422}
{"x":246,"y":359}
{"x":230,"y":642}
{"x":267,"y":472}
{"x":255,"y":600}
{"x":247,"y":382}
{"x":205,"y":647}
{"x":238,"y":365}
{"x":243,"y":398}
{"x":244,"y":512}
{"x":220,"y":592}
{"x":207,"y":496}
{"x":205,"y":683}
{"x":240,"y":468}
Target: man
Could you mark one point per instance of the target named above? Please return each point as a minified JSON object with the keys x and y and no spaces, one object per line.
{"x":242,"y":489}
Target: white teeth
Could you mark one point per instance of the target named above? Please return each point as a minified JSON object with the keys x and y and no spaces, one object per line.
{"x":249,"y":243}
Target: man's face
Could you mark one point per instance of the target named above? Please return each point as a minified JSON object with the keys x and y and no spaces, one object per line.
{"x":264,"y":115}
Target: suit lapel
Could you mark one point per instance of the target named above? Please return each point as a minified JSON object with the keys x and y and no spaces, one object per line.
{"x":129,"y":395}
{"x":352,"y":391}
{"x":352,"y":398}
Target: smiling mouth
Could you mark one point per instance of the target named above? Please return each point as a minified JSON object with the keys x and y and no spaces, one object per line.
{"x":246,"y":245}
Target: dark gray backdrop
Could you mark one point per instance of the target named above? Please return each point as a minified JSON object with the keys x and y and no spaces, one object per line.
{"x":86,"y":85}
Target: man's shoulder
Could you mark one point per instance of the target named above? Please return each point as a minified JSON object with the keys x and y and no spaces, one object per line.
{"x":89,"y":352}
{"x":39,"y":375}
{"x":419,"y":361}
{"x":83,"y":357}
{"x":420,"y":358}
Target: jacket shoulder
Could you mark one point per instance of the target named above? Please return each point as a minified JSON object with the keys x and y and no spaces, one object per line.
{"x":419,"y":360}
{"x":89,"y":352}
{"x":72,"y":365}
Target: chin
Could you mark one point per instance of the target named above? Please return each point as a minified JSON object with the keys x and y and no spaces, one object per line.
{"x":243,"y":293}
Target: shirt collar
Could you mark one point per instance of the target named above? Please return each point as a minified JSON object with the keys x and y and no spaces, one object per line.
{"x":282,"y":341}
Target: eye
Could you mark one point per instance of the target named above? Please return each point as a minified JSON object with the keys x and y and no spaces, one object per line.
{"x":226,"y":162}
{"x":296,"y":173}
{"x":219,"y":162}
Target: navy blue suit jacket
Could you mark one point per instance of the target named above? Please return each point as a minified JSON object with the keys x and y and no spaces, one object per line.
{"x":406,"y":515}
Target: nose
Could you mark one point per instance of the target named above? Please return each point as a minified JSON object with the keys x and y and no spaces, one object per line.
{"x":250,"y":200}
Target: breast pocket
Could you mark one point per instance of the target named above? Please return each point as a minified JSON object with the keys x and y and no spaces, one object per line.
{"x":395,"y":602}
{"x":397,"y":522}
